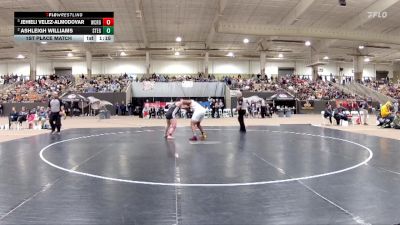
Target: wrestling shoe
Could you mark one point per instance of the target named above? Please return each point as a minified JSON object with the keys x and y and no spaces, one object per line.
{"x":194,"y":138}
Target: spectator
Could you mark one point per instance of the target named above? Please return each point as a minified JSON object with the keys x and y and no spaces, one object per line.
{"x":130,"y":108}
{"x":364,"y":108}
{"x":13,"y":116}
{"x":122,"y":108}
{"x":32,"y":119}
{"x":213,"y":107}
{"x":117,"y":108}
{"x":102,"y":83}
{"x":339,"y":114}
{"x":22,"y":115}
{"x":328,"y":112}
{"x":396,"y":121}
{"x":386,"y":115}
{"x":42,"y":117}
{"x":35,"y":90}
{"x":221,"y":106}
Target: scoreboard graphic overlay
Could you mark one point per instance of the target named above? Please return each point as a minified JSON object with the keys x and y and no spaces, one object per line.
{"x":64,"y":26}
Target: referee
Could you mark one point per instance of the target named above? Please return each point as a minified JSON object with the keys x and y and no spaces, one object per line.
{"x":241,"y":108}
{"x":56,"y":111}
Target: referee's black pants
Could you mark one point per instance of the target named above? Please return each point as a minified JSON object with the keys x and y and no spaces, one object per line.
{"x":263,"y":111}
{"x":241,"y":113}
{"x":55,"y":121}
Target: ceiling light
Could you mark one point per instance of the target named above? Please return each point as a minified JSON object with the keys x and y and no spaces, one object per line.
{"x":20,"y":56}
{"x":178,"y":39}
{"x":43,"y":42}
{"x":245,"y":40}
{"x":367,"y":60}
{"x":307,"y":43}
{"x":326,"y":57}
{"x":122,"y":54}
{"x":361,"y":47}
{"x":176,"y":53}
{"x":230,"y":54}
{"x":280,"y":55}
{"x":70,"y":54}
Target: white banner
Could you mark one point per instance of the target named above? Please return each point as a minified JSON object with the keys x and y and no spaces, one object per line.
{"x":234,"y":93}
{"x":148,"y":85}
{"x":187,"y":84}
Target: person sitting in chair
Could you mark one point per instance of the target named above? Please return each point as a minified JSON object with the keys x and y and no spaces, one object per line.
{"x":32,"y":119}
{"x":13,"y":117}
{"x":339,"y":114}
{"x":23,"y":115}
{"x":42,"y":117}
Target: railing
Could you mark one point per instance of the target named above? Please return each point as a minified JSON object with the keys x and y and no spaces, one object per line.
{"x":379,"y":96}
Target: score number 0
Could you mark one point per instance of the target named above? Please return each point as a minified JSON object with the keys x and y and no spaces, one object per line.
{"x":108,"y":21}
{"x":108,"y":25}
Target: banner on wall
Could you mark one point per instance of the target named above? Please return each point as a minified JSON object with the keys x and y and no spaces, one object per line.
{"x":148,"y":85}
{"x":307,"y":105}
{"x":132,"y":76}
{"x":187,"y":83}
{"x":156,"y":104}
{"x":234,"y":93}
{"x":175,"y":89}
{"x":347,"y":103}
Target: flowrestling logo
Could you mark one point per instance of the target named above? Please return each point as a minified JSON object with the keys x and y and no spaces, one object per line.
{"x":380,"y":15}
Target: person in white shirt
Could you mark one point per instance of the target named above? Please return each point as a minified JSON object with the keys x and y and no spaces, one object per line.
{"x":197,"y":116}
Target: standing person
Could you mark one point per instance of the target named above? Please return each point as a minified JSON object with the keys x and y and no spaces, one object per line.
{"x":328,"y":112}
{"x":116,"y":106}
{"x":364,"y":108}
{"x":122,"y":108}
{"x":253,"y":109}
{"x":56,"y":111}
{"x":173,"y":110}
{"x":217,"y":107}
{"x":197,"y":116}
{"x":263,"y":109}
{"x":396,"y":121}
{"x":129,"y":107}
{"x":221,"y":106}
{"x":241,"y":108}
{"x":213,"y":107}
{"x":13,"y":117}
{"x":1,"y":109}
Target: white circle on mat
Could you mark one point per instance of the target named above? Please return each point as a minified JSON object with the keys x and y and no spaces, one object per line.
{"x":43,"y":150}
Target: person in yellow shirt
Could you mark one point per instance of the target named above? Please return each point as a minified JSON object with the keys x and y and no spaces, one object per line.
{"x":386,"y":115}
{"x":386,"y":109}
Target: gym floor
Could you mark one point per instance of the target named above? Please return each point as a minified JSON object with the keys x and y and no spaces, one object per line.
{"x":288,"y":174}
